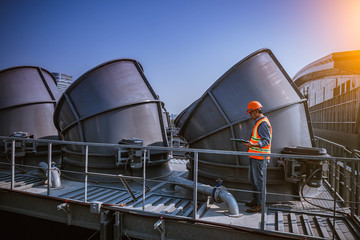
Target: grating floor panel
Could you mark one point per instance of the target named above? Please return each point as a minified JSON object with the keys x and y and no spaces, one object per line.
{"x":154,"y":202}
{"x":106,"y":195}
{"x":299,"y":217}
{"x":310,"y":225}
{"x":21,"y":181}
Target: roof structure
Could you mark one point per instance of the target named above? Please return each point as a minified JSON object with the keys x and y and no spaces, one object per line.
{"x":339,"y":63}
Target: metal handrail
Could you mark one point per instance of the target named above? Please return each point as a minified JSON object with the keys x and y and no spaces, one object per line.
{"x":344,"y":175}
{"x":194,"y":150}
{"x":195,"y":216}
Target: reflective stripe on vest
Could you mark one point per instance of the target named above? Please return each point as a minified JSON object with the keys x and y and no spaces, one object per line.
{"x":255,"y":138}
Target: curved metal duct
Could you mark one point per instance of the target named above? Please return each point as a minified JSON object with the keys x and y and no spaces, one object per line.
{"x":109,"y":103}
{"x":219,"y":115}
{"x":28,"y":96}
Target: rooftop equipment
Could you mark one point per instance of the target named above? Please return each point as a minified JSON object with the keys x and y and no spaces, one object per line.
{"x":28,"y":96}
{"x":113,"y":103}
{"x":219,"y":115}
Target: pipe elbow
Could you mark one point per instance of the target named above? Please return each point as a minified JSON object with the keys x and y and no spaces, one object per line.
{"x":55,"y":178}
{"x":219,"y":194}
{"x":230,"y":201}
{"x":55,"y":174}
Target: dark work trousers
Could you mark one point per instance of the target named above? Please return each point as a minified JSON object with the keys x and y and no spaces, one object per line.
{"x":256,"y":178}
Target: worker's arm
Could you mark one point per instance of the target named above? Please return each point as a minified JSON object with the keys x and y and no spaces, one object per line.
{"x":264,"y":133}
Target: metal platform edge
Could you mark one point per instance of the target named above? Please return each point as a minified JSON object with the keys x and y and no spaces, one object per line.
{"x":115,"y":222}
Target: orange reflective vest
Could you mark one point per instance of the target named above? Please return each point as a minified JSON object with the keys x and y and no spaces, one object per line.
{"x":255,"y":138}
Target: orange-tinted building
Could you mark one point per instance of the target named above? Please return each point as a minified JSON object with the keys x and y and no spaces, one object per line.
{"x":332,"y":87}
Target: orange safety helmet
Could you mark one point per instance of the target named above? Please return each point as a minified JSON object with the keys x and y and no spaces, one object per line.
{"x":253,"y":105}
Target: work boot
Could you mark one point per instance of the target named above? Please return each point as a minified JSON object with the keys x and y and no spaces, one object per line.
{"x":251,"y":204}
{"x":254,"y":209}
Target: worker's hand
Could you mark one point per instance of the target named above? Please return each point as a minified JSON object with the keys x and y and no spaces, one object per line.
{"x":248,"y":144}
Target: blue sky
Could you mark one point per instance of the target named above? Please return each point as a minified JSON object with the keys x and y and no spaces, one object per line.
{"x":183,"y":46}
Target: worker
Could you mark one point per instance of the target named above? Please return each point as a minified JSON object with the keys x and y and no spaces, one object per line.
{"x":260,"y":142}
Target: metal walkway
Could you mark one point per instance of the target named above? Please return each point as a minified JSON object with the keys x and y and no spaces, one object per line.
{"x":312,"y":225}
{"x":149,"y":209}
{"x":299,"y":223}
{"x":155,"y":203}
{"x":22,"y":182}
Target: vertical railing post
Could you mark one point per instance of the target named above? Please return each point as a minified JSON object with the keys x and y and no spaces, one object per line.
{"x":263,"y":194}
{"x":49,"y":167}
{"x":171,"y":139}
{"x":86,"y":171}
{"x":333,"y":174}
{"x":347,"y":185}
{"x":196,"y":158}
{"x":328,"y":171}
{"x":357,"y":187}
{"x":144,"y":181}
{"x":12,"y":165}
{"x":353,"y":188}
{"x":337,"y":176}
{"x":335,"y":195}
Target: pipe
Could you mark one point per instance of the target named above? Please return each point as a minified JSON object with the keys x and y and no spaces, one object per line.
{"x":219,"y":194}
{"x":55,"y":174}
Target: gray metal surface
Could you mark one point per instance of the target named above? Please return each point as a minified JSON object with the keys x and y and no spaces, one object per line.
{"x":296,"y":221}
{"x":219,"y":115}
{"x":28,"y":96}
{"x":154,"y":202}
{"x":21,"y":181}
{"x":311,"y":225}
{"x":107,"y":195}
{"x":108,"y":103}
{"x":108,"y":207}
{"x":128,"y":223}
